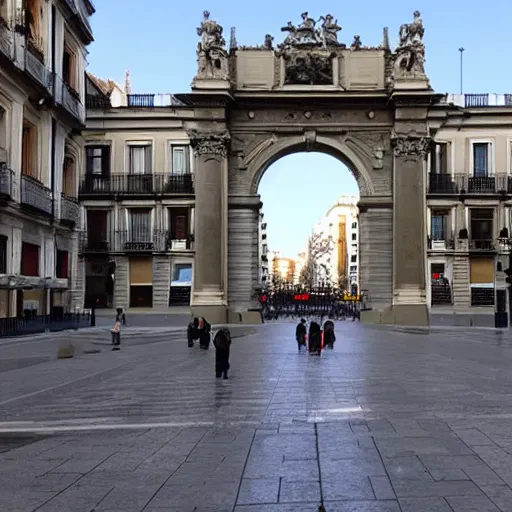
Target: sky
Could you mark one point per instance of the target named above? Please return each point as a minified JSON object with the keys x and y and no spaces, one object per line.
{"x":156,"y":40}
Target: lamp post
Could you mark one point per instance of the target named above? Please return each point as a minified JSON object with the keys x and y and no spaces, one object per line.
{"x":461,"y":50}
{"x":505,"y":240}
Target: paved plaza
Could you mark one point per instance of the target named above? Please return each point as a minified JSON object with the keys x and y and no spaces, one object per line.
{"x":389,"y":421}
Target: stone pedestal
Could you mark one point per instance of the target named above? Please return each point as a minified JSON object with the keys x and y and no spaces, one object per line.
{"x":409,"y":295}
{"x":208,"y":296}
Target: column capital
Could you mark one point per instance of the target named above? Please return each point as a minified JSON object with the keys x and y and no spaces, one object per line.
{"x":209,"y":143}
{"x":411,"y":146}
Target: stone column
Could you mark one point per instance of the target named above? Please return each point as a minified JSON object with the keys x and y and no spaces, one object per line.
{"x":409,"y":295}
{"x":209,"y":290}
{"x":243,"y":258}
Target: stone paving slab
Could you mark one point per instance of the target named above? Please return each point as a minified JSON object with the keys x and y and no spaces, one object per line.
{"x":394,"y":422}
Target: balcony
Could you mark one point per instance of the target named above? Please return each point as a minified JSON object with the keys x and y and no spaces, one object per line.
{"x":441,"y":184}
{"x":6,"y":182}
{"x":69,"y":210}
{"x":93,"y":243}
{"x":93,"y":101}
{"x":484,"y":100}
{"x":69,"y":99}
{"x":6,"y":39}
{"x":35,"y":195}
{"x":152,"y":100}
{"x":482,"y":245}
{"x":135,"y":241}
{"x":447,"y":243}
{"x":178,"y":244}
{"x":122,"y":184}
{"x":35,"y":67}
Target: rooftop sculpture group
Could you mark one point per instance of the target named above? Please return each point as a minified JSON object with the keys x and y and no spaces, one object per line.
{"x":309,"y":48}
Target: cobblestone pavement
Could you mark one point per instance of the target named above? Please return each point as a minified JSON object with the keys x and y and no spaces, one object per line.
{"x":388,"y":421}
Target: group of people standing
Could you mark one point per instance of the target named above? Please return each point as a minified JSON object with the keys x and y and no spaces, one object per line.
{"x":200,"y":329}
{"x":314,"y":336}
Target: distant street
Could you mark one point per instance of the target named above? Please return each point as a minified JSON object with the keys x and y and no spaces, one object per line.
{"x":389,"y":421}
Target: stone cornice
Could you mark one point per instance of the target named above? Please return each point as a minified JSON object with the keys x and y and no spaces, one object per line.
{"x":411,"y":146}
{"x":209,"y":143}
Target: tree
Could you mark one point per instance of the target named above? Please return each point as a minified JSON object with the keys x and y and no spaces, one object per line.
{"x":317,"y":256}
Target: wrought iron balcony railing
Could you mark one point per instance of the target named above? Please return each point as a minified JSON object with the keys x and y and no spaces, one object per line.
{"x":93,"y":101}
{"x":134,"y":241}
{"x":35,"y":195}
{"x":152,"y":100}
{"x":69,"y":209}
{"x":6,"y":181}
{"x":69,"y":99}
{"x":136,"y":184}
{"x":93,"y":243}
{"x":487,"y":244}
{"x":448,"y":184}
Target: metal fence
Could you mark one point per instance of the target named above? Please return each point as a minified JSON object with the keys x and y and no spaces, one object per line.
{"x":42,"y":323}
{"x":290,"y":301}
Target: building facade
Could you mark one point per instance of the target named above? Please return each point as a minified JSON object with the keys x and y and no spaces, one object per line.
{"x":137,"y":200}
{"x":337,"y":238}
{"x":469,"y":201}
{"x":42,"y":113}
{"x":263,"y":252}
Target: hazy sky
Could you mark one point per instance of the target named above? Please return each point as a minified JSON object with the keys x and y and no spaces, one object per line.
{"x":156,"y":40}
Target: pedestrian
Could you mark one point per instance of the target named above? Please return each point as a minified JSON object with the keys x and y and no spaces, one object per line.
{"x":204,"y":330}
{"x":300,"y":333}
{"x":329,"y":336}
{"x":315,"y":339}
{"x":193,"y":331}
{"x":222,"y":343}
{"x":116,"y":334}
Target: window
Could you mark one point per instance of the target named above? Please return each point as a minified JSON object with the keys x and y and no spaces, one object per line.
{"x":180,"y":160}
{"x":353,"y":269}
{"x":139,"y":159}
{"x":182,"y":274}
{"x":140,"y":225}
{"x":97,"y":221}
{"x":61,"y":271}
{"x":438,"y":225}
{"x":29,"y":150}
{"x":439,"y":158}
{"x":179,"y":218}
{"x":482,"y":224}
{"x":354,"y":225}
{"x":353,"y":258}
{"x":29,"y":259}
{"x":481,"y":159}
{"x":97,"y":160}
{"x":33,"y":14}
{"x":68,"y":177}
{"x":354,"y":237}
{"x":3,"y":254}
{"x":69,"y":67}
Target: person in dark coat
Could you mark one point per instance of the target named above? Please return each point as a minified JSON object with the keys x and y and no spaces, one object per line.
{"x":192,"y":331}
{"x":329,"y":337}
{"x":222,"y":343}
{"x":300,"y":333}
{"x":204,"y":330}
{"x":315,"y":338}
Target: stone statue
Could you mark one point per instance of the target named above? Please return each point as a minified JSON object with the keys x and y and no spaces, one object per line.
{"x":410,"y":54}
{"x":356,"y":43}
{"x":268,"y":44}
{"x":306,"y":35}
{"x":329,"y":31}
{"x":212,"y":57}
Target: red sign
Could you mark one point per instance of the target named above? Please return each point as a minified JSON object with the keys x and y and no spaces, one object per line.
{"x":264,"y":298}
{"x":301,"y":296}
{"x":437,"y":275}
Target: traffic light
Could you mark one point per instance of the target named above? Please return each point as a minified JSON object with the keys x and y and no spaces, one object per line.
{"x":508,"y":272}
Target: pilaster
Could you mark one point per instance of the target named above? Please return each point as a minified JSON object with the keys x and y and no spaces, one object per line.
{"x":409,"y":294}
{"x":209,"y":291}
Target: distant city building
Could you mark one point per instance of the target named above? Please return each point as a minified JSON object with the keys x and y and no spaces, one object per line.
{"x":282,"y":270}
{"x":263,"y":252}
{"x":337,"y":262}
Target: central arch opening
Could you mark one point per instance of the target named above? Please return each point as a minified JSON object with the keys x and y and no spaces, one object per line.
{"x":309,"y":229}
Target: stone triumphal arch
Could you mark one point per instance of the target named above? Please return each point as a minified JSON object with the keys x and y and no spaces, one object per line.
{"x":365,"y":105}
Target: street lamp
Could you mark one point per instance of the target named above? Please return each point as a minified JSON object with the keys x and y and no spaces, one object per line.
{"x":505,"y":241}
